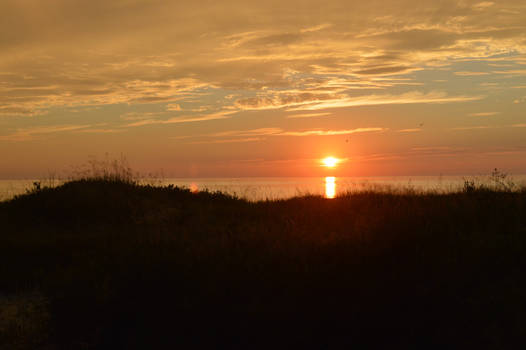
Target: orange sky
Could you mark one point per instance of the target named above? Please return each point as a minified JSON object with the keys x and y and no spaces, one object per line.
{"x":263,"y":88}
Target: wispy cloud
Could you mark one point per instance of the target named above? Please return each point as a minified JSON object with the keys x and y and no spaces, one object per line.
{"x":409,"y":130}
{"x":389,"y":70}
{"x":478,"y":127}
{"x":251,"y":132}
{"x":430,"y":149}
{"x":469,"y":74}
{"x":316,"y":28}
{"x":483,"y":114}
{"x":248,"y":139}
{"x":102,"y":131}
{"x":17,"y":109}
{"x":308,"y":115}
{"x":329,"y":132}
{"x":513,"y":72}
{"x":182,"y":119}
{"x":317,"y":101}
{"x":24,"y":134}
{"x":371,"y":100}
{"x":173,"y":107}
{"x":483,"y":5}
{"x":139,"y":115}
{"x":281,"y":100}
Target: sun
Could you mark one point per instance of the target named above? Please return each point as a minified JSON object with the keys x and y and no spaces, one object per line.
{"x":330,"y":162}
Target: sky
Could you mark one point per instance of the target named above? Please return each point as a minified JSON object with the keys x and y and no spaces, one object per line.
{"x":263,"y":88}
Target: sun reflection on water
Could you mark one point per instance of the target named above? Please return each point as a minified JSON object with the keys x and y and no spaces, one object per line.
{"x":330,"y":187}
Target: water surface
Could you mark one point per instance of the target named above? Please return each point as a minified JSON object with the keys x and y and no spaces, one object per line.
{"x":262,"y":188}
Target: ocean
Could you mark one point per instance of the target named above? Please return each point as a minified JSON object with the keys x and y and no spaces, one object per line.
{"x":271,"y":188}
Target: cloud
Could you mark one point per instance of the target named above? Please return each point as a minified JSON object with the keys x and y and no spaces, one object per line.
{"x":409,"y":130}
{"x":385,"y":70}
{"x":24,"y":134}
{"x":422,"y":39}
{"x":478,"y":127}
{"x":512,"y":72}
{"x":316,"y":28}
{"x":101,"y":131}
{"x":279,"y":39}
{"x":33,"y":96}
{"x":483,"y":5}
{"x":371,"y":100}
{"x":276,"y":101}
{"x":469,"y":74}
{"x":248,"y":139}
{"x":483,"y":114}
{"x":427,"y":149}
{"x":308,"y":115}
{"x":14,"y":110}
{"x":439,"y":151}
{"x":173,"y":107}
{"x":139,"y":115}
{"x":317,"y":101}
{"x":251,"y":132}
{"x":182,"y":119}
{"x":436,"y":151}
{"x":329,"y":132}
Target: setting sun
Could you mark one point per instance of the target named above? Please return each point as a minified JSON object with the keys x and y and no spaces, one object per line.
{"x":330,"y":162}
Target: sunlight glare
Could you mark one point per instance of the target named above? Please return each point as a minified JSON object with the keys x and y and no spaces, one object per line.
{"x":330,"y":162}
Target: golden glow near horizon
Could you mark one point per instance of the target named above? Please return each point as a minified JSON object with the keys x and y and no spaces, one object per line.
{"x":256,"y":87}
{"x":330,"y":187}
{"x":330,"y":162}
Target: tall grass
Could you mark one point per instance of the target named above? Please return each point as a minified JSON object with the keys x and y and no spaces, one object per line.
{"x":107,"y":169}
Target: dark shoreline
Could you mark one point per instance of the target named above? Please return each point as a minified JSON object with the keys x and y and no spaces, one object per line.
{"x":108,"y":264}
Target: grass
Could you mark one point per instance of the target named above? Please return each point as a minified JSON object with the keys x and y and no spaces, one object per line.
{"x":102,"y":262}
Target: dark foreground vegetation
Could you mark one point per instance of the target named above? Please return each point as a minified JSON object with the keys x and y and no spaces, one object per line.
{"x":109,"y":264}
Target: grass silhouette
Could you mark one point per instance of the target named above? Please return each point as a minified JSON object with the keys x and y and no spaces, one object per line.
{"x":105,"y":263}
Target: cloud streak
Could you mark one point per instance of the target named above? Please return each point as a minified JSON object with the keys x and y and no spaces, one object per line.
{"x":412,"y":97}
{"x":182,"y":119}
{"x":329,"y":132}
{"x":483,"y":114}
{"x":248,"y":139}
{"x":308,"y":115}
{"x":30,"y":133}
{"x":254,"y":134}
